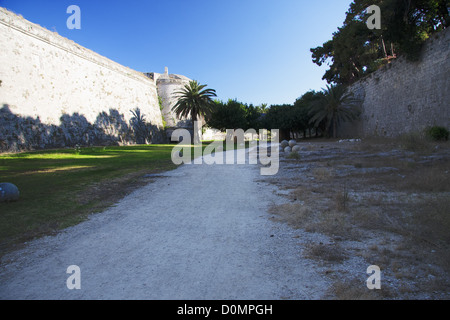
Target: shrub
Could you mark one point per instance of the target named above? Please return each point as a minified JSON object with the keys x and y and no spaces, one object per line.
{"x":437,"y":133}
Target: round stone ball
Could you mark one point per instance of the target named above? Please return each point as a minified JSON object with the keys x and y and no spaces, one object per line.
{"x":292,"y":143}
{"x":287,"y":150}
{"x":284,"y":144}
{"x":296,"y":148}
{"x":8,"y":192}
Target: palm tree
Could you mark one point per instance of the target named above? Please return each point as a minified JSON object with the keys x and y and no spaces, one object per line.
{"x":194,"y":101}
{"x":335,"y":106}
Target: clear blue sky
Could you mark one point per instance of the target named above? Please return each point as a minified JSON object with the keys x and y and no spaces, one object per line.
{"x":256,"y":51}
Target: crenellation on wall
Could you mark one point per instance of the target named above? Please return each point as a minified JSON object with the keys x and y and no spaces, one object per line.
{"x":405,"y":96}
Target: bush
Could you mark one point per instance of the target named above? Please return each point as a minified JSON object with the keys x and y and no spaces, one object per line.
{"x":437,"y":133}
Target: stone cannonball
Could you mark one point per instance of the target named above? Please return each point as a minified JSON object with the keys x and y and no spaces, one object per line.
{"x":8,"y":192}
{"x":284,"y":144}
{"x":296,"y":148}
{"x":287,"y":149}
{"x":292,"y":143}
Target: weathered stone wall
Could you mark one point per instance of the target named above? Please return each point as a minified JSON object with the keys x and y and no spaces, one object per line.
{"x":405,"y":96}
{"x":55,"y":93}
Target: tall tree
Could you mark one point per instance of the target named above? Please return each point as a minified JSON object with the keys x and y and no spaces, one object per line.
{"x":280,"y":117}
{"x":230,"y":115}
{"x":195,"y":101}
{"x":337,"y":105}
{"x":355,"y":50}
{"x":301,"y":112}
{"x":234,"y":115}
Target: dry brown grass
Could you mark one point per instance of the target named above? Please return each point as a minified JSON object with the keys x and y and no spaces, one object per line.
{"x":334,"y":223}
{"x":357,"y":290}
{"x":342,"y":199}
{"x":296,"y":214}
{"x":323,"y":173}
{"x":435,"y":178}
{"x":331,"y":253}
{"x":416,"y":142}
{"x":392,"y":194}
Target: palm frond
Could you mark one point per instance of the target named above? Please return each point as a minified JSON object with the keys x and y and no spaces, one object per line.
{"x":337,"y":105}
{"x":194,"y":100}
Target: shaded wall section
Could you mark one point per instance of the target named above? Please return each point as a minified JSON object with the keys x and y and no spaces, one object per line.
{"x":48,"y":81}
{"x":405,"y":96}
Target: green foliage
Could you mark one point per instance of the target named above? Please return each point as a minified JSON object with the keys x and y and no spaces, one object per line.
{"x":352,"y":54}
{"x":437,"y":133}
{"x":235,"y":115}
{"x":355,"y":50}
{"x":335,"y":106}
{"x":194,"y":101}
{"x":280,"y":117}
{"x":292,"y":118}
{"x":59,"y":188}
{"x":302,"y":107}
{"x":230,"y":115}
{"x":253,"y":117}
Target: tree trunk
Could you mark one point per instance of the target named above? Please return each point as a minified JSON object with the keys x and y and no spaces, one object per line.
{"x":194,"y":130}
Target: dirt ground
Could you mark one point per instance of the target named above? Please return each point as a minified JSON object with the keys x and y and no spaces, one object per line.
{"x":226,"y":232}
{"x":199,"y":232}
{"x":371,"y":202}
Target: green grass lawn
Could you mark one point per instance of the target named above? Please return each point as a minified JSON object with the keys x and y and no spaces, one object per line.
{"x":60,"y":188}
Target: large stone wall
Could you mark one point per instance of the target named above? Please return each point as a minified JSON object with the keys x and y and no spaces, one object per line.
{"x":405,"y":96}
{"x":55,"y":93}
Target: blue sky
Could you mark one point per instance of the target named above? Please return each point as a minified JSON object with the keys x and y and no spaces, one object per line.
{"x":256,"y":51}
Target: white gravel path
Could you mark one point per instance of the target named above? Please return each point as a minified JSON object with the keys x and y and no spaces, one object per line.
{"x":199,"y":232}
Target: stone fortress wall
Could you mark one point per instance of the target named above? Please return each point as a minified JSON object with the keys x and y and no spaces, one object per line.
{"x":403,"y":96}
{"x":55,"y":93}
{"x":167,"y":86}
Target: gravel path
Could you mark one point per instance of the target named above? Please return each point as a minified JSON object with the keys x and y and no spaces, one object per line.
{"x":198,"y":232}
